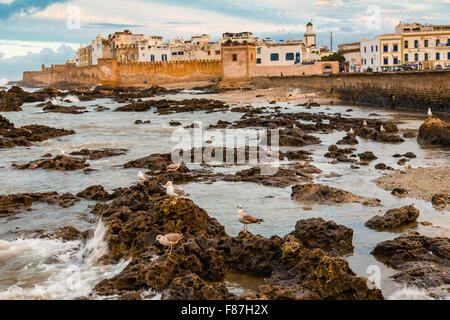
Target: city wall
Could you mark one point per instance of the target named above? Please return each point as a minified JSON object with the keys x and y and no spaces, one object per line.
{"x":110,"y":72}
{"x":398,"y":90}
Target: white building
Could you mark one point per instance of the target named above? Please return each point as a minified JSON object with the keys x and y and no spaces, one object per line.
{"x":281,"y":54}
{"x":149,"y":52}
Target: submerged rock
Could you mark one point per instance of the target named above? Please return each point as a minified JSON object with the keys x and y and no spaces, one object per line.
{"x":393,"y":218}
{"x":15,"y":203}
{"x":440,"y":200}
{"x":61,"y":109}
{"x":321,"y":194}
{"x":434,"y":131}
{"x":101,"y":153}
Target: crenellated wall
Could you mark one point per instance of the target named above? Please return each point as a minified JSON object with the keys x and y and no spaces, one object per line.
{"x":110,"y":72}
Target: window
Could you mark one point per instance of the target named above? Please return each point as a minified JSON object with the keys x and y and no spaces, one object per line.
{"x":274,"y":57}
{"x":258,"y":60}
{"x":448,"y":55}
{"x":438,"y":56}
{"x":152,"y":58}
{"x":164,"y":57}
{"x":180,"y":53}
{"x":371,"y":60}
{"x":234,"y":57}
{"x":209,"y":53}
{"x":395,"y":60}
{"x":395,"y":47}
{"x":217,"y":51}
{"x":174,"y":53}
{"x":258,"y":50}
{"x":425,"y":43}
{"x":426,"y":57}
{"x":371,"y":48}
{"x":416,"y":43}
{"x":385,"y":48}
{"x":297,"y":57}
{"x":406,"y":57}
{"x":385,"y":61}
{"x":289,"y":56}
{"x":364,"y":49}
{"x":416,"y":57}
{"x":376,"y":48}
{"x":438,"y":42}
{"x":406,"y":44}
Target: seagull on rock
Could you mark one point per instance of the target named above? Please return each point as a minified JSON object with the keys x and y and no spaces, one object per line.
{"x":246,"y":218}
{"x":141,"y":176}
{"x":211,"y":140}
{"x":430,"y":114}
{"x":63,"y":153}
{"x":365,"y":123}
{"x":169,"y":240}
{"x":175,"y":191}
{"x":351,"y":131}
{"x":174,"y":166}
{"x":382,"y":129}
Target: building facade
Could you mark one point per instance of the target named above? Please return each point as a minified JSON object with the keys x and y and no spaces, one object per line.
{"x":416,"y":45}
{"x":352,"y":55}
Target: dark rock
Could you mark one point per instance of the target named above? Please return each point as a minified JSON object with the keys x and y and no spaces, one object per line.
{"x":399,"y":192}
{"x":317,"y":193}
{"x":440,"y":200}
{"x":334,"y":239}
{"x":367,"y":156}
{"x":96,"y":192}
{"x":434,"y":131}
{"x":393,"y":218}
{"x":60,"y":162}
{"x":98,"y":154}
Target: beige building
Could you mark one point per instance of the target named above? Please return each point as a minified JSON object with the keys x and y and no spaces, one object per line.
{"x":352,"y":55}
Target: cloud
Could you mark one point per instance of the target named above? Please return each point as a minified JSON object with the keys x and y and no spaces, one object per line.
{"x":13,"y":67}
{"x":8,"y":8}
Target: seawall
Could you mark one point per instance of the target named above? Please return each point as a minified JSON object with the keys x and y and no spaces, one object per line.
{"x":398,"y":90}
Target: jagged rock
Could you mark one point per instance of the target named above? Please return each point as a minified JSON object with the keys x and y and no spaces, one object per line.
{"x":393,"y":218}
{"x":60,"y":162}
{"x":296,"y":138}
{"x":422,"y":261}
{"x":317,"y":193}
{"x":10,"y":106}
{"x":334,"y":239}
{"x":399,"y":192}
{"x":367,"y":156}
{"x":434,"y":131}
{"x":61,"y":109}
{"x":440,"y":200}
{"x":96,"y":192}
{"x":348,"y":139}
{"x":14,"y":203}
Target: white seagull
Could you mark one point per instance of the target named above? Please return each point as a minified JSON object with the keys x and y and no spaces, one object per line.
{"x":63,"y":153}
{"x":246,"y":218}
{"x":365,"y":123}
{"x":269,"y":153}
{"x":351,"y":131}
{"x":430,"y":114}
{"x":174,"y":191}
{"x":169,"y":240}
{"x":141,"y":176}
{"x":294,"y":126}
{"x":382,"y":129}
{"x":211,"y":140}
{"x":174,"y":166}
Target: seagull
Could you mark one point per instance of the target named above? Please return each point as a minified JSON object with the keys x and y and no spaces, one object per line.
{"x":294,"y":126}
{"x":174,"y":191}
{"x":303,"y":163}
{"x":246,"y":219}
{"x":141,"y":176}
{"x":382,"y":129}
{"x":174,"y":166}
{"x":365,"y":123}
{"x":211,"y":140}
{"x":169,"y":240}
{"x":63,"y":153}
{"x":351,"y":131}
{"x":430,"y":114}
{"x":269,"y":153}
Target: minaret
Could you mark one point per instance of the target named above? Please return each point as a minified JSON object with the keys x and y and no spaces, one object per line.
{"x":310,"y":36}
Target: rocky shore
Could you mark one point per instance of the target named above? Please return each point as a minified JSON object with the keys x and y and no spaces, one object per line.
{"x":309,"y":262}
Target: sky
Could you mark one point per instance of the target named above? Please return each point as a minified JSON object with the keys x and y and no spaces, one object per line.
{"x":36,"y":32}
